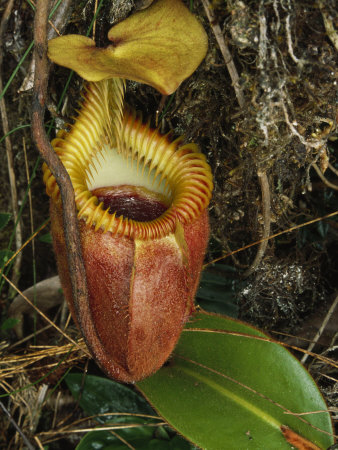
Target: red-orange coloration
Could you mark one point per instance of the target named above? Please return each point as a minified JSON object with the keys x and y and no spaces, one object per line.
{"x":297,"y":441}
{"x":143,"y":242}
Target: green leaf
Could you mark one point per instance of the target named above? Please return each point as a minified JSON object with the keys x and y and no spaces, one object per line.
{"x":99,"y":395}
{"x":5,"y":255}
{"x":161,"y":46}
{"x":106,"y":440}
{"x":230,"y":391}
{"x":46,"y":238}
{"x":217,"y":291}
{"x":141,"y":438}
{"x":4,"y":219}
{"x":9,"y":323}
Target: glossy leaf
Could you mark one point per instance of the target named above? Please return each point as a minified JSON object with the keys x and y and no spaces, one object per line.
{"x":161,"y":46}
{"x":141,"y":438}
{"x":230,"y":391}
{"x":217,"y":291}
{"x":135,"y":436}
{"x":99,"y":395}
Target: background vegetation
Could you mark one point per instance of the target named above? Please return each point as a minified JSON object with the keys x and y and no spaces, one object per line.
{"x":262,"y":107}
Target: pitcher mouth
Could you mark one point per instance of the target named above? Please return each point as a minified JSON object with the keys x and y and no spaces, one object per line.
{"x":133,"y":202}
{"x":129,"y":179}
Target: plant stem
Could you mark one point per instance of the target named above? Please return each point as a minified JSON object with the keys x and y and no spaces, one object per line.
{"x":74,"y":253}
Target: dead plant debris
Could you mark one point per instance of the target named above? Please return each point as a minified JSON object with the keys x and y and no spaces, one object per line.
{"x":277,"y":118}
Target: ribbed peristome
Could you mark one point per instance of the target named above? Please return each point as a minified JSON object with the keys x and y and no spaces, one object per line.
{"x":103,"y":123}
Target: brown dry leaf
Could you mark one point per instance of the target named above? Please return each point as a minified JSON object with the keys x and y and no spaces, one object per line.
{"x":160,"y":46}
{"x":296,"y":440}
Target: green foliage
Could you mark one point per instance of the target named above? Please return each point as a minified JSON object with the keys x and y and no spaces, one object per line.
{"x":4,"y":219}
{"x":240,"y":388}
{"x":5,"y":254}
{"x":141,"y":438}
{"x":46,"y":238}
{"x":9,"y":323}
{"x":217,"y":291}
{"x":226,"y":386}
{"x":99,"y":395}
{"x":191,"y":396}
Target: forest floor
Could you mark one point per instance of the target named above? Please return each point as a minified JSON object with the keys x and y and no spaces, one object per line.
{"x":263,"y":109}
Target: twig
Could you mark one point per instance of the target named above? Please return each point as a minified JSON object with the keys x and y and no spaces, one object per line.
{"x":60,"y":20}
{"x":57,"y":401}
{"x":321,"y":329}
{"x":323,"y":178}
{"x":38,"y":404}
{"x":250,"y":389}
{"x":76,"y":267}
{"x":233,"y":257}
{"x":120,"y":438}
{"x":9,"y":153}
{"x":329,"y":27}
{"x":41,"y":447}
{"x":5,"y":17}
{"x":25,"y":244}
{"x":225,"y":52}
{"x":30,"y":201}
{"x":31,"y":216}
{"x":30,"y":336}
{"x":289,"y":40}
{"x":37,"y":359}
{"x":264,"y":183}
{"x":263,"y":123}
{"x":18,"y":429}
{"x":42,"y":314}
{"x":326,"y":360}
{"x":332,"y":168}
{"x":95,"y":417}
{"x":119,"y":426}
{"x":280,"y":233}
{"x":94,"y":24}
